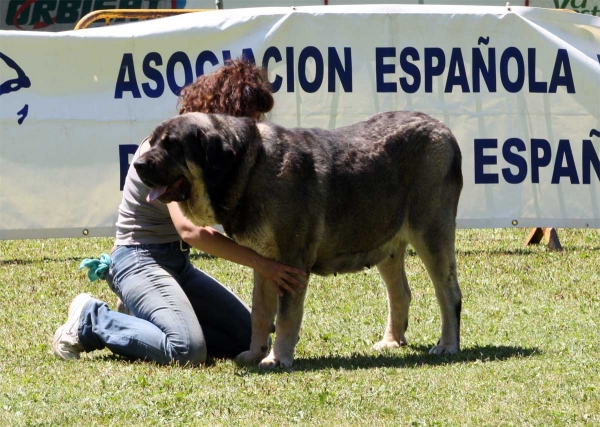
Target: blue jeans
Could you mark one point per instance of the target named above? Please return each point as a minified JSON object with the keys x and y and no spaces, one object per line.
{"x":181,"y":313}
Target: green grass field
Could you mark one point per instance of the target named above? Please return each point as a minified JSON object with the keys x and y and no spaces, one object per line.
{"x":530,"y":352}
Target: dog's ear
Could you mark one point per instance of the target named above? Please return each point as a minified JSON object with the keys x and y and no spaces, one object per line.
{"x":214,"y":155}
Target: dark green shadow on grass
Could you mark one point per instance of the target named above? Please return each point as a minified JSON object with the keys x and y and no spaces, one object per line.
{"x":525,"y":251}
{"x":20,"y":261}
{"x":111,"y":357}
{"x":509,"y":251}
{"x":397,"y":359}
{"x":420,"y":357}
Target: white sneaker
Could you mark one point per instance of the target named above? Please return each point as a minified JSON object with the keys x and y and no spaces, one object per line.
{"x":66,"y":343}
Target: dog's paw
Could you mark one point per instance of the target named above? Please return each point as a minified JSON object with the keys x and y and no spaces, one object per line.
{"x":389,"y":344}
{"x":444,"y":349}
{"x":270,"y":362}
{"x":248,"y":358}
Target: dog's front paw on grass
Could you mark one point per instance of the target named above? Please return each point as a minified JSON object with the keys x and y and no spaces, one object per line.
{"x":389,"y":344}
{"x":248,"y":358}
{"x":270,"y":362}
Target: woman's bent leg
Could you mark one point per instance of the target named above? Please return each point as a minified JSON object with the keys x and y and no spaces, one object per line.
{"x":225,"y":319}
{"x":165,"y":327}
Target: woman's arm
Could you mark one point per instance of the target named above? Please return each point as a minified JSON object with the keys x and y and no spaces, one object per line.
{"x":209,"y":240}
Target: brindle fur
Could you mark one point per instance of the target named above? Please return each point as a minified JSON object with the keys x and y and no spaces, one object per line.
{"x":326,"y":201}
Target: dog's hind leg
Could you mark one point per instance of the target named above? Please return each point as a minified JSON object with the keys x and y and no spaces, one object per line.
{"x":393,"y":272}
{"x":287,"y":330}
{"x":436,"y":248}
{"x":264,"y":307}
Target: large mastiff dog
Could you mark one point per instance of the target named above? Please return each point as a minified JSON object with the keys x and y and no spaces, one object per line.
{"x":327,"y":201}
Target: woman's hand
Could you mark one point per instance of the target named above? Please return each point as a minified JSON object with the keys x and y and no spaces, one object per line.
{"x":281,"y":276}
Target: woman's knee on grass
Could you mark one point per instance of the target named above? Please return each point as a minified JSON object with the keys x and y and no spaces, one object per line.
{"x":192,"y":352}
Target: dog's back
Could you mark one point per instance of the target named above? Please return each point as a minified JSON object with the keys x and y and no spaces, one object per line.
{"x":346,"y":193}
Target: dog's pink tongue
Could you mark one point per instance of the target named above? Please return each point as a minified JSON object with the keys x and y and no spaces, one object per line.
{"x":155,"y":193}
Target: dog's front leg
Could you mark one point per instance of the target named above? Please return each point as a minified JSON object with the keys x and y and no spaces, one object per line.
{"x":264,"y":306}
{"x":287,"y":330}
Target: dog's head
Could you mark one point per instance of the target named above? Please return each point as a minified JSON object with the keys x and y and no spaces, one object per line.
{"x":184,"y":150}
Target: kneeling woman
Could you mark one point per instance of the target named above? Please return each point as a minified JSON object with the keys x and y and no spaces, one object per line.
{"x":181,"y":314}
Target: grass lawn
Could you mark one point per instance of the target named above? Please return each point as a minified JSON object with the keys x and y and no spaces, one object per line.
{"x":530,"y":352}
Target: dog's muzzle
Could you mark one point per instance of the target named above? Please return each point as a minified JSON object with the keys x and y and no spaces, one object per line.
{"x":176,"y":191}
{"x":179,"y":191}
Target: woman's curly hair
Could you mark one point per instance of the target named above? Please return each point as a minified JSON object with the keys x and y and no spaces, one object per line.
{"x":239,"y":88}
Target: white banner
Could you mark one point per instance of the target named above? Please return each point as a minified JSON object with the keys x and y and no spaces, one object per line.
{"x":519,"y":87}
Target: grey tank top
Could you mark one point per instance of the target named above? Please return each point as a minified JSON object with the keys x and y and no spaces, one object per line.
{"x":140,"y":222}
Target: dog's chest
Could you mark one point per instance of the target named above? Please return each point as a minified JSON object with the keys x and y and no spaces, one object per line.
{"x":261,"y":239}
